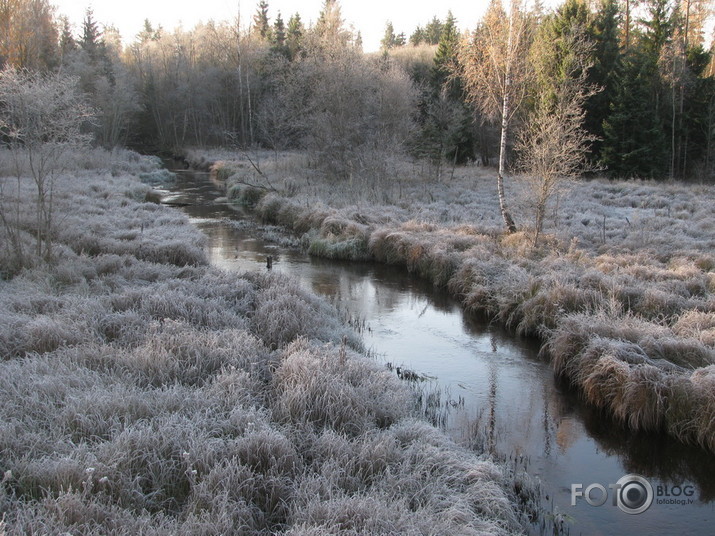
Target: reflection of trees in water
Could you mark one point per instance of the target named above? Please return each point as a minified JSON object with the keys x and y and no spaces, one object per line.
{"x":653,"y":455}
{"x":492,"y":424}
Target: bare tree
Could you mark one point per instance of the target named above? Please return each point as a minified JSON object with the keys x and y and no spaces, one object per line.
{"x":553,"y":146}
{"x":348,"y":111}
{"x":495,"y":70}
{"x":40,"y":119}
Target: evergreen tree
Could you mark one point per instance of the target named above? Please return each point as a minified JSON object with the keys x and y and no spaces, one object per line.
{"x":389,"y":39}
{"x":294,"y":36}
{"x":68,"y":43}
{"x":332,"y":37}
{"x":148,"y":33}
{"x":658,"y":29}
{"x":433,"y":31}
{"x":696,"y":129}
{"x":604,"y":32}
{"x":91,"y":41}
{"x":278,"y":37}
{"x":418,"y":36}
{"x":445,"y":58}
{"x":261,"y":23}
{"x":448,"y":99}
{"x":635,"y":144}
{"x":553,"y":53}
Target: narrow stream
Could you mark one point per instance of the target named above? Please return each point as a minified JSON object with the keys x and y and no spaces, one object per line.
{"x":489,"y":387}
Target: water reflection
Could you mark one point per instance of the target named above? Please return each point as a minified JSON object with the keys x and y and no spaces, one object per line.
{"x":494,"y":390}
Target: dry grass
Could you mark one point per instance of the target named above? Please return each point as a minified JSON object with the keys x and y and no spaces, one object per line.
{"x":147,"y":393}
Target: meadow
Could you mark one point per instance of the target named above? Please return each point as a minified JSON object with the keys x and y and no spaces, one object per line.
{"x":620,"y":290}
{"x":145,"y":392}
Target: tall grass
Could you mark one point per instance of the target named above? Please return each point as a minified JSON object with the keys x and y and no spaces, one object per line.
{"x":145,"y":392}
{"x":621,"y":291}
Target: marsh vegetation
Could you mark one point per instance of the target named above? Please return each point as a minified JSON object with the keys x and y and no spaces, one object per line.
{"x":147,"y":392}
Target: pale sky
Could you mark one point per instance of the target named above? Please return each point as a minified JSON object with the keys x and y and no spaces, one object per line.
{"x":367,"y":16}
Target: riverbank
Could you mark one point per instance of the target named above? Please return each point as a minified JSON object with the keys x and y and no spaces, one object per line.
{"x":620,"y":291}
{"x":146,"y":392}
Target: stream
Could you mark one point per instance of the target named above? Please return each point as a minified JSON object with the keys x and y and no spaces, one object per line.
{"x":484,"y":385}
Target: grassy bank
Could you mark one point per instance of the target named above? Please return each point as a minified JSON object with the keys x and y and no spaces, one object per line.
{"x":145,"y":392}
{"x":621,"y":289}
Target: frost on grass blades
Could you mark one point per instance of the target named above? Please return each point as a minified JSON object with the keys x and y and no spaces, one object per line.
{"x":619,"y":289}
{"x":145,"y":392}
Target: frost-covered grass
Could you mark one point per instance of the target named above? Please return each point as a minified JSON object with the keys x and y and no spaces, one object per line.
{"x":145,"y":392}
{"x":621,"y":289}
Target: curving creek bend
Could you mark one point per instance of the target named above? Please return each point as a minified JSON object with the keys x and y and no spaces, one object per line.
{"x":484,"y":385}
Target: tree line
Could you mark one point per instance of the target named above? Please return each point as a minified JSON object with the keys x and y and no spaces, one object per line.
{"x":626,"y":88}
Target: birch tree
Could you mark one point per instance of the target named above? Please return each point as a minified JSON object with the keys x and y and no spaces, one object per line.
{"x":494,"y":68}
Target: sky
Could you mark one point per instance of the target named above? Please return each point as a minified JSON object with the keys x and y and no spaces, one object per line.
{"x":367,"y":16}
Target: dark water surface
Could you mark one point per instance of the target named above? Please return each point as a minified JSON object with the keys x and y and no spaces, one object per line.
{"x":489,"y":387}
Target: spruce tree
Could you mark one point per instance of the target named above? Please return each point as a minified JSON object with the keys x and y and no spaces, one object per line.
{"x":634,"y":141}
{"x":433,"y":31}
{"x":604,"y":32}
{"x":445,"y":58}
{"x":278,"y":37}
{"x":294,"y":36}
{"x":418,"y":36}
{"x":68,"y":43}
{"x":553,"y":53}
{"x":91,"y":41}
{"x":261,"y":23}
{"x":388,"y":39}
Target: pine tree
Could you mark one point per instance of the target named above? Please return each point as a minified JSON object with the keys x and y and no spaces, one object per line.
{"x":553,"y":53}
{"x":332,"y":37}
{"x":148,"y":33}
{"x":658,"y":29}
